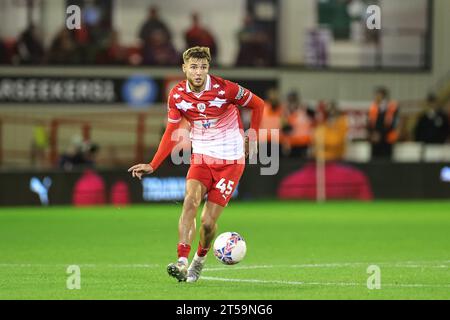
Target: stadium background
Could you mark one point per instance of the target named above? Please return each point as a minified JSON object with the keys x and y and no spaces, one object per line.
{"x":98,"y":95}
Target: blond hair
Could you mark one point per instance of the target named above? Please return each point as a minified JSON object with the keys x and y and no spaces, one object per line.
{"x":197,"y":53}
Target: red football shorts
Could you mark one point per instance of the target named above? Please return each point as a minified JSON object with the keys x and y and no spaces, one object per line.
{"x":220,"y":177}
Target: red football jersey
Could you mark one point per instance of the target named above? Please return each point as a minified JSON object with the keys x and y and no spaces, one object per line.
{"x":216,"y":128}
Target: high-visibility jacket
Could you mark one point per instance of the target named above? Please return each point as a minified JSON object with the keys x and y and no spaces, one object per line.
{"x":302,"y":129}
{"x":272,"y":119}
{"x":330,"y":139}
{"x":389,"y":117}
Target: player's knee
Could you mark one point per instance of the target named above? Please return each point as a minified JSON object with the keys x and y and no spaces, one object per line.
{"x":192,"y":202}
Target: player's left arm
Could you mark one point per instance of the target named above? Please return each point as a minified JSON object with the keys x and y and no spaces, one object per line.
{"x":256,"y":104}
{"x":166,"y":145}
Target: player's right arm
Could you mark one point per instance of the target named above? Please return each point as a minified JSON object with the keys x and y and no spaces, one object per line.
{"x":245,"y":98}
{"x":165,"y":146}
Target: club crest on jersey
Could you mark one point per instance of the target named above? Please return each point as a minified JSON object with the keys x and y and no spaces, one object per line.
{"x":201,"y":107}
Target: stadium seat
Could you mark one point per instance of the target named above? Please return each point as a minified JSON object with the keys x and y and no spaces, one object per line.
{"x":358,"y":152}
{"x":407,"y":152}
{"x":436,"y":153}
{"x":348,"y":55}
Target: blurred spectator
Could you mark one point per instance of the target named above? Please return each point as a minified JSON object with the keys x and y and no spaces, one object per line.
{"x":254,"y":47}
{"x":63,"y":49}
{"x":316,"y":48}
{"x":272,"y":118}
{"x":81,"y":36}
{"x":157,"y":47}
{"x":114,"y":52}
{"x":383,"y":119}
{"x":67,"y":158}
{"x":199,"y":36}
{"x":158,"y":50}
{"x":79,"y":155}
{"x":330,"y":136}
{"x":93,"y":37}
{"x":297,"y":134}
{"x":30,"y":47}
{"x":8,"y":51}
{"x":39,"y":145}
{"x":153,"y":24}
{"x":90,"y":151}
{"x":340,"y":181}
{"x":433,"y":124}
{"x":3,"y":52}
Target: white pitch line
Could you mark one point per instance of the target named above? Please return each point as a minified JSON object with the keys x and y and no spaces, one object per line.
{"x":416,"y":266}
{"x":84,"y":265}
{"x":251,"y":267}
{"x":415,"y":285}
{"x":295,"y":266}
{"x":279,"y":282}
{"x":407,"y":264}
{"x":335,"y":284}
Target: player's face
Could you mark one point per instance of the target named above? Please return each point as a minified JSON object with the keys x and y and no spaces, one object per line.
{"x":196,"y":71}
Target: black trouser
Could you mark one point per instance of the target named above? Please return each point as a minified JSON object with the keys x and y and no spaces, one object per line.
{"x":382,"y":151}
{"x":299,"y":152}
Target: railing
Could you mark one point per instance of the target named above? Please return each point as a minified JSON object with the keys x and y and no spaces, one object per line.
{"x":132,"y":133}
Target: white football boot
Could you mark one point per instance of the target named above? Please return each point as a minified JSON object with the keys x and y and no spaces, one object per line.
{"x":194,"y":270}
{"x":178,"y":271}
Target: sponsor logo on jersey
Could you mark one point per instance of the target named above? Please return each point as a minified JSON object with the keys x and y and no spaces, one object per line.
{"x":240,"y":93}
{"x":206,"y":124}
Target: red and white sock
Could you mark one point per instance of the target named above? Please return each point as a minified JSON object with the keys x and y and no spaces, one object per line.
{"x":183,"y":252}
{"x":201,"y":252}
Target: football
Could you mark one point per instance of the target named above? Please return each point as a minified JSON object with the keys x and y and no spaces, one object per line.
{"x":230,"y":248}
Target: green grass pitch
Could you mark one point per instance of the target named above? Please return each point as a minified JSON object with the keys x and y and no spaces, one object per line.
{"x":296,"y":250}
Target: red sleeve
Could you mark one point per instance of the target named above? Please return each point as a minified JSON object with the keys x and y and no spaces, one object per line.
{"x":173,"y":114}
{"x":165,"y":146}
{"x":167,"y":143}
{"x":257,"y":106}
{"x":245,"y":98}
{"x":237,"y":94}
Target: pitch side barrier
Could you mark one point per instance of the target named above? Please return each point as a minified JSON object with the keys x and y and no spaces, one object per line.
{"x":375,"y":180}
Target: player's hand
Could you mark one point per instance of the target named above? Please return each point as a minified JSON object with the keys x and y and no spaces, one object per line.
{"x":251,"y":147}
{"x":138,"y":170}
